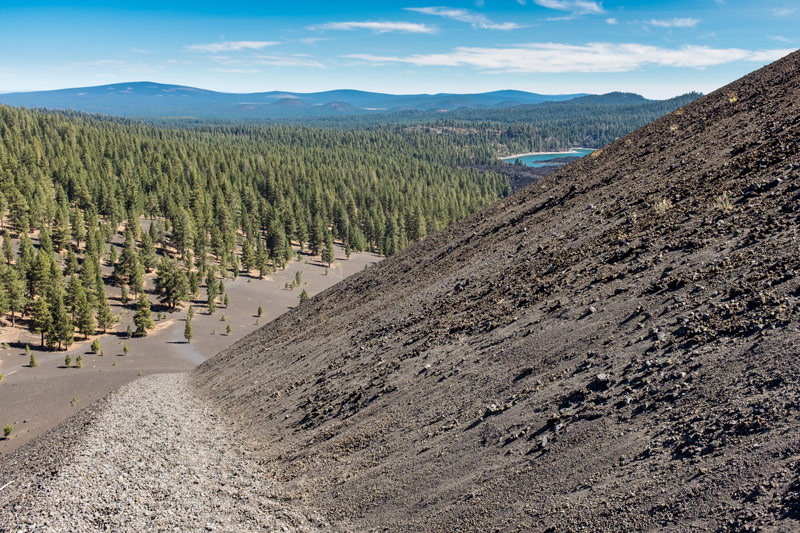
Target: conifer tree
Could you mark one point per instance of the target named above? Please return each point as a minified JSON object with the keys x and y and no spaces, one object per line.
{"x":41,"y":319}
{"x":126,"y":266}
{"x":78,"y":228}
{"x":39,"y":274}
{"x":137,"y":277}
{"x":123,"y":294}
{"x":46,"y":242}
{"x":13,"y":292}
{"x":62,"y":332}
{"x":3,"y":209}
{"x":75,"y":294}
{"x":143,"y":317}
{"x":193,"y":280}
{"x":248,"y":257}
{"x":327,"y":250}
{"x":147,"y":254}
{"x":187,"y":330}
{"x":25,"y":256}
{"x":303,"y":296}
{"x":61,"y":233}
{"x":211,"y":291}
{"x":70,"y":263}
{"x":8,"y":247}
{"x":85,"y":316}
{"x":261,"y":259}
{"x":171,"y":283}
{"x":105,"y":318}
{"x":317,"y":237}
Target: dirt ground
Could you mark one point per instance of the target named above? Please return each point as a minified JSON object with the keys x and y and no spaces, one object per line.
{"x":35,"y":400}
{"x":614,"y":348}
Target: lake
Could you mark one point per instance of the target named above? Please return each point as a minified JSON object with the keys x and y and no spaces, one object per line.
{"x":541,"y":159}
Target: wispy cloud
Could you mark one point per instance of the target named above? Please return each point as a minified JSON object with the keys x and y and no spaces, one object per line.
{"x":612,"y":21}
{"x":674,"y":23}
{"x":237,"y":70}
{"x":377,"y":27}
{"x":278,"y":60}
{"x":782,"y":39}
{"x":231,"y":46}
{"x":313,"y":40}
{"x":477,"y":20}
{"x":782,"y":12}
{"x":576,"y":7}
{"x":294,"y":60}
{"x":139,"y":51}
{"x":593,"y":57}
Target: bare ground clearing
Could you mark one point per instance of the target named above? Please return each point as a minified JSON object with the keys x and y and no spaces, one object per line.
{"x":35,"y":400}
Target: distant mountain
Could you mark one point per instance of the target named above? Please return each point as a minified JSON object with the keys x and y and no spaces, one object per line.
{"x":147,"y":99}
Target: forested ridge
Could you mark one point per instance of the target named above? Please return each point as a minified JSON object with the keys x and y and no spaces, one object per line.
{"x":369,"y":187}
{"x":224,"y":200}
{"x":590,"y":121}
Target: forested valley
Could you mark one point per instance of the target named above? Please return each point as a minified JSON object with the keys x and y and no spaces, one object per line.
{"x":196,"y":201}
{"x":197,"y":205}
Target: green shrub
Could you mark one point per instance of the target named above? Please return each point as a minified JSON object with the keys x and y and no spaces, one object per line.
{"x":68,"y":360}
{"x":32,"y":361}
{"x":79,"y":361}
{"x":7,"y":430}
{"x":95,"y":346}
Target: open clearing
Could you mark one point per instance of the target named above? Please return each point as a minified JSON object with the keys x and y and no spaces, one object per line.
{"x":34,"y":400}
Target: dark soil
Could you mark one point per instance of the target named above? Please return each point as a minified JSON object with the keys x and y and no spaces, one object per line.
{"x":519,"y":176}
{"x":615,"y":347}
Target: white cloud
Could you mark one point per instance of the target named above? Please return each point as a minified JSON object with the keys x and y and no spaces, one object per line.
{"x":577,"y":7}
{"x":781,"y":39}
{"x":231,"y":46}
{"x":236,"y":70}
{"x":313,"y":40}
{"x":97,"y":63}
{"x":782,"y":12}
{"x":249,"y":61}
{"x":674,"y":23}
{"x":139,"y":51}
{"x":593,"y":57}
{"x":295,"y":60}
{"x":611,"y":21}
{"x":377,"y":27}
{"x":477,"y":20}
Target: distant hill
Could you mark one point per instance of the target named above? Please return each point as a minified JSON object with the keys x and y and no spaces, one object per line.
{"x":148,"y":99}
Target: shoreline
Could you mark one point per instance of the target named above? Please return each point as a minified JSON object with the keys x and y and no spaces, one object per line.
{"x":570,"y":152}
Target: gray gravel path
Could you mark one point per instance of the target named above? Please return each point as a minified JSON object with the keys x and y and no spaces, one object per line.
{"x":154,"y":458}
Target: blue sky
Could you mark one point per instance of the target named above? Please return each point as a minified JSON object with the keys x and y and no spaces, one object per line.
{"x":656,"y":48}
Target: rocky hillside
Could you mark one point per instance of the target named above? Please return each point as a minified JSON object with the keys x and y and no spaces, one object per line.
{"x":614,"y":347}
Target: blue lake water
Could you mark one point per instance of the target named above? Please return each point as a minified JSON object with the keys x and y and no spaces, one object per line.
{"x":541,"y":160}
